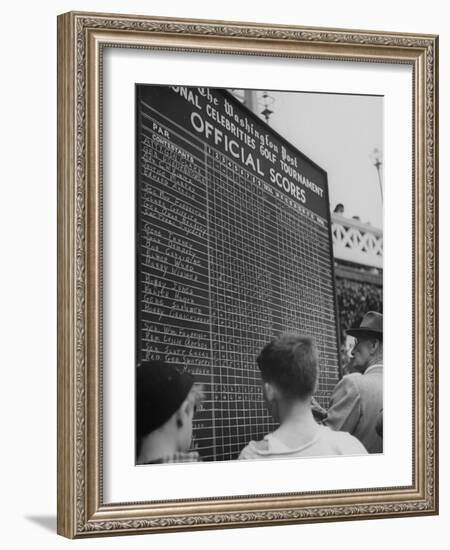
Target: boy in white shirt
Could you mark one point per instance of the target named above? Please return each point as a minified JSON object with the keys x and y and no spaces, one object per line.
{"x":289,"y":368}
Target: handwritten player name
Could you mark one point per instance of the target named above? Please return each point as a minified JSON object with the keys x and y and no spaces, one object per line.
{"x":156,"y":355}
{"x":179,"y":170}
{"x":159,"y":238}
{"x":172,"y":180}
{"x":188,"y":335}
{"x":176,"y":303}
{"x":186,"y":353}
{"x":149,"y":142}
{"x":181,"y":356}
{"x":183,"y":261}
{"x":152,"y":231}
{"x":166,"y":288}
{"x":163,"y":297}
{"x":148,"y":289}
{"x":175,"y":202}
{"x":165,"y":153}
{"x":194,"y":343}
{"x":185,"y":314}
{"x":166,"y":269}
{"x":165,"y":206}
{"x":179,"y":262}
{"x":182,"y":245}
{"x":175,"y":217}
{"x":189,"y":362}
{"x":158,"y":251}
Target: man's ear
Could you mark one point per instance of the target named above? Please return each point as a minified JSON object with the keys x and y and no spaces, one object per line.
{"x":375,"y":345}
{"x":179,"y":418}
{"x":182,"y":413}
{"x":269,"y":391}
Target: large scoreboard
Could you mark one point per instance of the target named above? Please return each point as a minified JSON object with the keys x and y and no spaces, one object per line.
{"x":233,"y":247}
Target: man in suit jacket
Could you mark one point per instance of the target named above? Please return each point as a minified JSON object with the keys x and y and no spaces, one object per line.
{"x":357,"y":400}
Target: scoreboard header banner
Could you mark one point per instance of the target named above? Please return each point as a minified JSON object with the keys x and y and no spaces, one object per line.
{"x":217,"y":118}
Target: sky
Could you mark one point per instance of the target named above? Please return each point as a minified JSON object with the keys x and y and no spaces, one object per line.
{"x":338,"y":132}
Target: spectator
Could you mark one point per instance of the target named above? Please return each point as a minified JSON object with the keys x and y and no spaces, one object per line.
{"x":165,"y":403}
{"x":289,"y":367}
{"x":358,"y":397}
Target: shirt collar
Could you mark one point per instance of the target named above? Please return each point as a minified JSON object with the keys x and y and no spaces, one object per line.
{"x":373,"y":367}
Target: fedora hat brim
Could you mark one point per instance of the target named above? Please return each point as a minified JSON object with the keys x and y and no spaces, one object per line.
{"x":363,"y":330}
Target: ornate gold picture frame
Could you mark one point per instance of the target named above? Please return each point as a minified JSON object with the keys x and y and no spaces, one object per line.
{"x":82,"y":509}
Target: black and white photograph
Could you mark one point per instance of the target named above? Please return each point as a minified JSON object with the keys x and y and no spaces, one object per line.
{"x":258,"y":274}
{"x":223,"y":236}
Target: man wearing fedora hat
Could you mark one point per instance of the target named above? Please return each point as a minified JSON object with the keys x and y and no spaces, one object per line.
{"x":357,"y":399}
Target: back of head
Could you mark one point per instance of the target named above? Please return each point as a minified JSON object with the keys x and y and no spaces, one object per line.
{"x":290,"y":362}
{"x":160,"y":390}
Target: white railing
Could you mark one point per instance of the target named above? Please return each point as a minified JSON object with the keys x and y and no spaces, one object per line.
{"x":357,"y":242}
